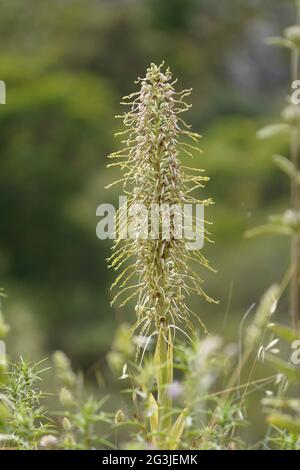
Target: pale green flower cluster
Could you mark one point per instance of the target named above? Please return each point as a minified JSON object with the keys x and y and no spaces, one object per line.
{"x":154,"y":176}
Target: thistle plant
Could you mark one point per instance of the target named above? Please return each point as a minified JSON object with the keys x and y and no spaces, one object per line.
{"x":158,"y":270}
{"x":81,"y":414}
{"x":26,"y":425}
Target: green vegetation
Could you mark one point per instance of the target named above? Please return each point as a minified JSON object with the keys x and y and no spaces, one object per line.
{"x":231,"y":382}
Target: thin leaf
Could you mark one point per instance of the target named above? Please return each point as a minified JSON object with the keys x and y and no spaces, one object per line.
{"x":153,"y":417}
{"x":275,"y":229}
{"x":272,"y":130}
{"x":291,"y":372}
{"x":284,"y":332}
{"x":284,"y":422}
{"x":287,"y":167}
{"x":177,"y":430}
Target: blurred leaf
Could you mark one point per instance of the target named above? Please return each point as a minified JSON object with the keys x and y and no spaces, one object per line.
{"x":170,"y":359}
{"x":279,"y":41}
{"x":284,"y":332}
{"x":262,"y":316}
{"x":153,"y":416}
{"x":287,"y":167}
{"x":177,"y":430}
{"x":6,"y":437}
{"x":4,"y":327}
{"x":272,"y":130}
{"x":267,"y":229}
{"x":291,"y":372}
{"x":284,"y":422}
{"x":292,"y":33}
{"x":277,"y":402}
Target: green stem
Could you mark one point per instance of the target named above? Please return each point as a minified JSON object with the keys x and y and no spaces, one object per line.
{"x":164,"y":377}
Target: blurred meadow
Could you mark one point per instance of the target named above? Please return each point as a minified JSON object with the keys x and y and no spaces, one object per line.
{"x":67,"y":64}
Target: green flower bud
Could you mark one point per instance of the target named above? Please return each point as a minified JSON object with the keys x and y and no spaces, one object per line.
{"x":292,"y":33}
{"x":292,"y":219}
{"x":66,"y":424}
{"x":119,"y":417}
{"x":66,"y":398}
{"x":63,"y":368}
{"x":291,"y":114}
{"x":48,"y":441}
